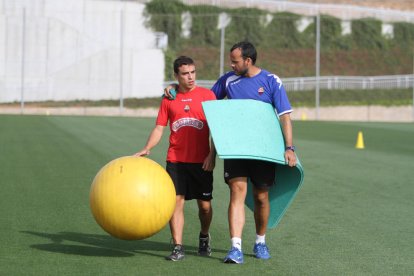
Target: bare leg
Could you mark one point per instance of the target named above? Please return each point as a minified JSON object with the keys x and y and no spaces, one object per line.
{"x":177,"y":221}
{"x":205,"y":213}
{"x":261,"y":210}
{"x":238,"y":190}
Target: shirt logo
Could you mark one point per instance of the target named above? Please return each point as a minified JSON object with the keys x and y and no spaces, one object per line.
{"x":260,"y":90}
{"x":191,"y":122}
{"x":235,"y":82}
{"x":278,"y":80}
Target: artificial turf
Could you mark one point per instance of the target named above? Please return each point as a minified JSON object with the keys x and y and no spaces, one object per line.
{"x":353,"y":215}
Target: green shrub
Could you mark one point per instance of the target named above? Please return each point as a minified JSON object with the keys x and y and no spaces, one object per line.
{"x":204,"y":25}
{"x":245,"y":25}
{"x":404,"y":35}
{"x":165,"y":16}
{"x":366,"y":34}
{"x":363,"y":52}
{"x":282,"y":32}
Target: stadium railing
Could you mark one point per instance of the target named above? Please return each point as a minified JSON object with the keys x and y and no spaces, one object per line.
{"x":337,"y":82}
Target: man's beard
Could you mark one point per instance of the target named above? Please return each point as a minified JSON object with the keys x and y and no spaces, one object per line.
{"x":243,"y":72}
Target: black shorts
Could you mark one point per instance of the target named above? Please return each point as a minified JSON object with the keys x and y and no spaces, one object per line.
{"x":261,"y":173}
{"x":191,"y":181}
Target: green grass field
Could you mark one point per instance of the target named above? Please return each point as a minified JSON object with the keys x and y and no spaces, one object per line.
{"x":353,"y":215}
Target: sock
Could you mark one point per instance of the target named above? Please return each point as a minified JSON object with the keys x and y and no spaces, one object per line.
{"x":236,"y":242}
{"x":260,"y":239}
{"x":202,"y":236}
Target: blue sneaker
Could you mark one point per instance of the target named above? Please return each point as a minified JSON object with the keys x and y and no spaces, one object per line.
{"x":235,"y":256}
{"x":261,"y":251}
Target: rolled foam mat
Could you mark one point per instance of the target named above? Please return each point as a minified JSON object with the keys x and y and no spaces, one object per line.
{"x":249,"y":129}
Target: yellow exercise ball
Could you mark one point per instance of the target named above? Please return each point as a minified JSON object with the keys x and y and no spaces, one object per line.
{"x":132,"y":198}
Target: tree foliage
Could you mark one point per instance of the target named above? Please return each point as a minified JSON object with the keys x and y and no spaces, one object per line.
{"x":277,"y":31}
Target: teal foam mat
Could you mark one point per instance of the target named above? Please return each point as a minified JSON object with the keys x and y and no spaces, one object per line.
{"x":249,"y":129}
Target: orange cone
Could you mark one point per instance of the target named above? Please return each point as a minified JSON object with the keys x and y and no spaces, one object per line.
{"x":360,"y":141}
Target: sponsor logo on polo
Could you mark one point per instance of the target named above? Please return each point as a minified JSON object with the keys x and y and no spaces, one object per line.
{"x":261,"y":90}
{"x":191,"y":122}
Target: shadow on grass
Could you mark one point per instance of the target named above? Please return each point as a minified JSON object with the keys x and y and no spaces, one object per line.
{"x":97,"y":245}
{"x":104,"y":245}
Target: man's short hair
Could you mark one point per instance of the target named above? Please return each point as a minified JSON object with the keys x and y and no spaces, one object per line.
{"x":247,"y":50}
{"x":182,"y":60}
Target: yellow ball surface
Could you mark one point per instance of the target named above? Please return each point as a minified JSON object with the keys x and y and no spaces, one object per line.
{"x":132,"y":198}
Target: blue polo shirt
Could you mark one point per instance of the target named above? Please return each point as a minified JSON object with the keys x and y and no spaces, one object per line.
{"x":265,"y":87}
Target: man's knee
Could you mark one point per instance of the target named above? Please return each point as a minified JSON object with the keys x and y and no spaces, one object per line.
{"x":204,"y":206}
{"x":238,"y":184}
{"x":261,"y":196}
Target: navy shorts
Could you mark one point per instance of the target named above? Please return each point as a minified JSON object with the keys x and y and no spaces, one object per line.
{"x":261,"y":173}
{"x":191,"y":181}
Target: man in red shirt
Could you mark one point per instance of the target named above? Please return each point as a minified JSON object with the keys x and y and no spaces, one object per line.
{"x":190,"y":158}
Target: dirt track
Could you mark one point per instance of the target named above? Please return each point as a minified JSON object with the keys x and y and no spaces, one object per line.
{"x":342,"y":113}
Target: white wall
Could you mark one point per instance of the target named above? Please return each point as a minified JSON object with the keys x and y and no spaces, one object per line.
{"x":72,"y":50}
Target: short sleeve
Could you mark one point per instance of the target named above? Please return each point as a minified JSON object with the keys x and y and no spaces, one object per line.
{"x":280,"y":98}
{"x":219,"y":88}
{"x":162,"y":118}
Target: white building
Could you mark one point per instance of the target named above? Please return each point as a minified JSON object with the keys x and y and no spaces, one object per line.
{"x":77,"y":49}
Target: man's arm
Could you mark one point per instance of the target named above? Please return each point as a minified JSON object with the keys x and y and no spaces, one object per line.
{"x":210,"y":161}
{"x":153,"y":140}
{"x":286,"y":123}
{"x":167,"y":92}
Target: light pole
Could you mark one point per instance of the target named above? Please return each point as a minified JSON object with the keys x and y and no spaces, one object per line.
{"x":318,"y":54}
{"x":223,"y":21}
{"x":22,"y":78}
{"x":121,"y":64}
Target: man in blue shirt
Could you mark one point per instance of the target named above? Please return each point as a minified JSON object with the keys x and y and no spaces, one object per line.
{"x":247,"y":81}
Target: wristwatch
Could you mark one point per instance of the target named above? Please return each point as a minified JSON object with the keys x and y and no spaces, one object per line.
{"x":292,"y":148}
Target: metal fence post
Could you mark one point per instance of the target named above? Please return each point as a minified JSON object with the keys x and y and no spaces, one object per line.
{"x":318,"y":50}
{"x":223,"y":21}
{"x":22,"y":77}
{"x":223,"y":31}
{"x":121,"y":63}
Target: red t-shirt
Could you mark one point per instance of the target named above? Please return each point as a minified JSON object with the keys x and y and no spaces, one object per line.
{"x":189,"y":133}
